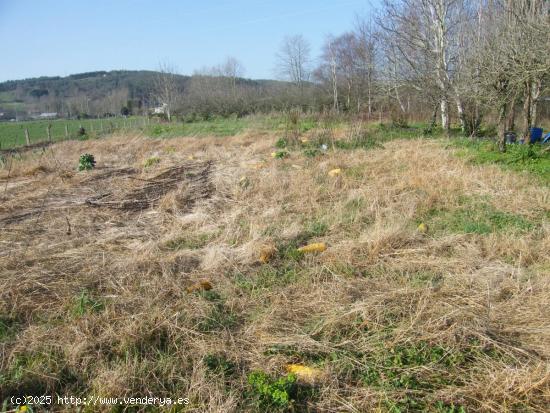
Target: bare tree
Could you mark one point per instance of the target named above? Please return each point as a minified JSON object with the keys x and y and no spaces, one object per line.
{"x":366,"y":51}
{"x":424,"y":33}
{"x":166,"y":90}
{"x":513,"y":62}
{"x":232,"y":69}
{"x":293,"y":60}
{"x":327,"y":72}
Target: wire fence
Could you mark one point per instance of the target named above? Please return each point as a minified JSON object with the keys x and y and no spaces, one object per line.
{"x":30,"y":133}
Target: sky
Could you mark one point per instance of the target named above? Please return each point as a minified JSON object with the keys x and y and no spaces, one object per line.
{"x":63,"y":37}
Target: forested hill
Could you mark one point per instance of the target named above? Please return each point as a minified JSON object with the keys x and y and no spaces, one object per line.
{"x":93,"y":84}
{"x":103,"y":90}
{"x":91,"y":93}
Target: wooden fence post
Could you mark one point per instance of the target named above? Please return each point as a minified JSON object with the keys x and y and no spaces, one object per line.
{"x":101,"y":125}
{"x":27,"y":139}
{"x":49,"y":132}
{"x":66,"y":132}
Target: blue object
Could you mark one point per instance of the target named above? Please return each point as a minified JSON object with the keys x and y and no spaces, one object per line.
{"x":546,"y":138}
{"x":536,"y":135}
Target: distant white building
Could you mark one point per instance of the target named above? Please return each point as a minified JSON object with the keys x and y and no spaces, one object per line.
{"x":159,"y":110}
{"x":46,"y":115}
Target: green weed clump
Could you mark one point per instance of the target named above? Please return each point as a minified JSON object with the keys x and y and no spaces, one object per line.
{"x":151,"y":161}
{"x":312,"y":152}
{"x":281,"y":143}
{"x":219,"y":364}
{"x":274,"y":394}
{"x":86,"y":162}
{"x":85,"y":304}
{"x":281,"y":154}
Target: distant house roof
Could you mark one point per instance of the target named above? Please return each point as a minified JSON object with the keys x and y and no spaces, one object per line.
{"x":48,"y":115}
{"x":159,"y":109}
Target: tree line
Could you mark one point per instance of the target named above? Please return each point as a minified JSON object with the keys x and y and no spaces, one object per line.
{"x":451,"y":62}
{"x":461,"y":61}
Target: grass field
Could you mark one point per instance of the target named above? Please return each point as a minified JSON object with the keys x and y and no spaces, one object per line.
{"x":175,"y":269}
{"x":12,"y":134}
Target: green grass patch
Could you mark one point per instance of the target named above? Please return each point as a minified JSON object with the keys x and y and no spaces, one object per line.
{"x":30,"y":373}
{"x":8,"y":328}
{"x":268,"y":276}
{"x":214,"y":127}
{"x":360,"y":139}
{"x":312,"y":152}
{"x":475,"y":218}
{"x":533,"y":159}
{"x":86,"y":304}
{"x":220,"y":316}
{"x":316,"y":228}
{"x":190,"y":242}
{"x":219,"y":364}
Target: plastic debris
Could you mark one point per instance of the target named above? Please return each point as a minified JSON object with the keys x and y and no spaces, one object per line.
{"x":304,"y":373}
{"x":267,"y":252}
{"x":244,"y":182}
{"x":315,"y":247}
{"x":202,"y":285}
{"x":335,"y":172}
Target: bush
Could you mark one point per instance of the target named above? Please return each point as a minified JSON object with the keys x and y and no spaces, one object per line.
{"x":86,"y":162}
{"x":273,"y":393}
{"x":281,"y":143}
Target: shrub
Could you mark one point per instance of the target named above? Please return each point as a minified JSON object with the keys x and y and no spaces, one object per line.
{"x":86,"y":162}
{"x":281,"y":143}
{"x":273,"y":393}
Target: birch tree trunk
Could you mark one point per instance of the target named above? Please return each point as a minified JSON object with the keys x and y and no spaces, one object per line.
{"x":444,"y":107}
{"x":535,"y":95}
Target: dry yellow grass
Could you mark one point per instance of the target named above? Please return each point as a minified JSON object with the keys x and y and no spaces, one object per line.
{"x":95,"y":300}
